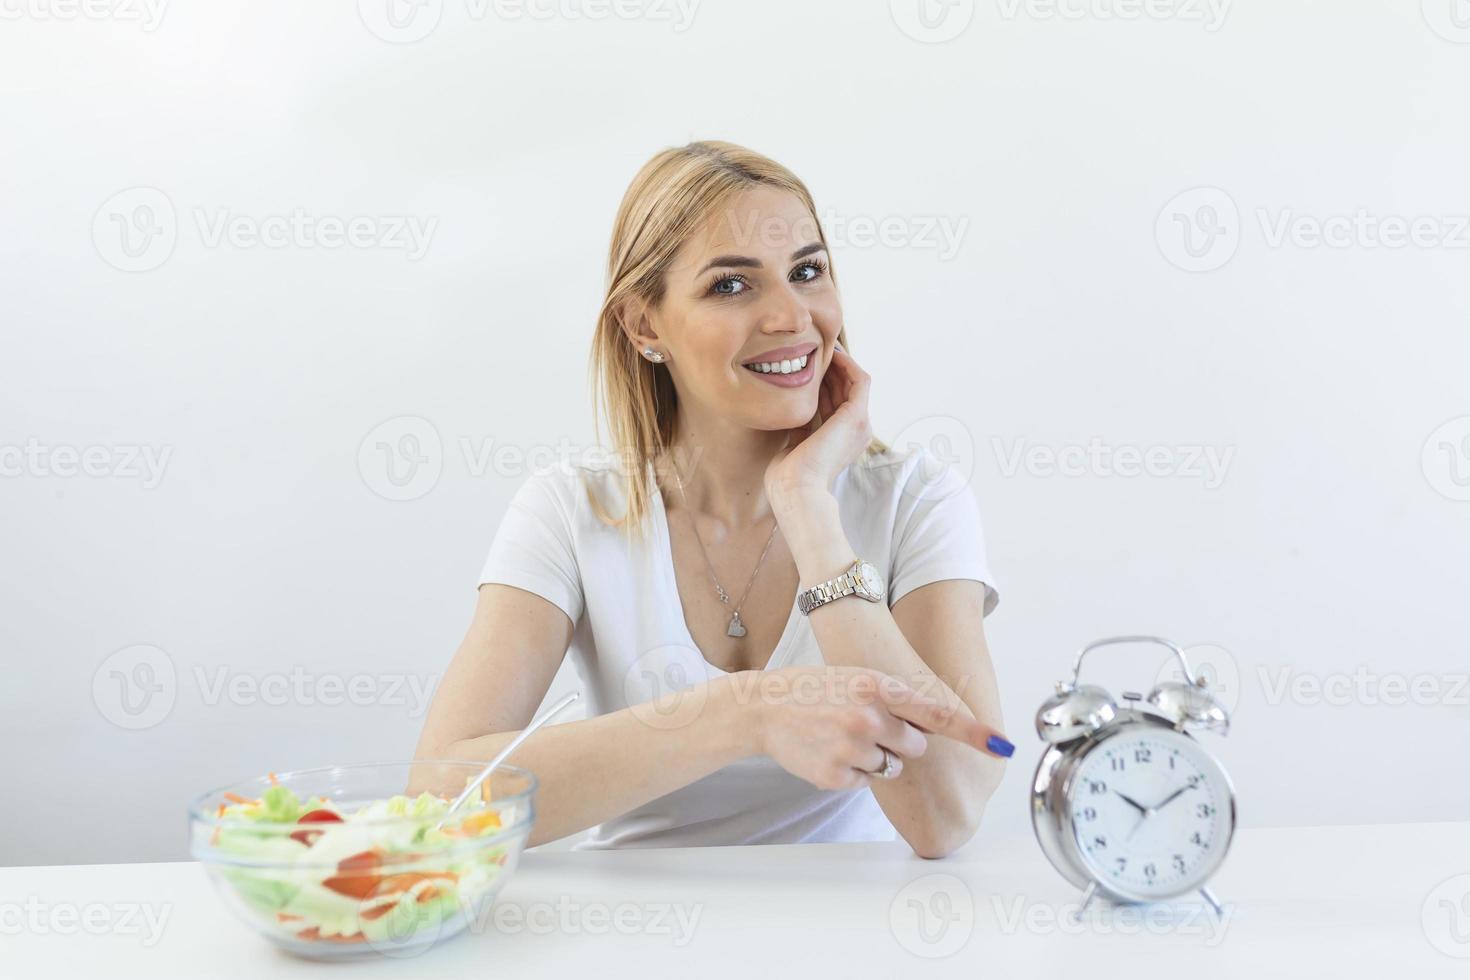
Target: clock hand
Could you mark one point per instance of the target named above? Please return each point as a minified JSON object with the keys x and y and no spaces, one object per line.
{"x":1173,"y":796}
{"x":1133,"y":803}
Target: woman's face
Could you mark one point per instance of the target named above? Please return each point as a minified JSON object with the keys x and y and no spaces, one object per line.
{"x":749,"y":288}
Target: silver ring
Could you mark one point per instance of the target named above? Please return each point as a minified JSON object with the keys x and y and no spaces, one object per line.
{"x":891,"y":766}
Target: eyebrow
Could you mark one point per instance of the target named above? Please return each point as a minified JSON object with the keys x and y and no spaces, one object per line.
{"x":746,"y":262}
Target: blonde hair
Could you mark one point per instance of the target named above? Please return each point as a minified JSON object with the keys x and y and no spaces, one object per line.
{"x":669,"y":200}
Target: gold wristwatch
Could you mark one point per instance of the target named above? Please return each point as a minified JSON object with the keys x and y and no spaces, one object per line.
{"x":861,"y":578}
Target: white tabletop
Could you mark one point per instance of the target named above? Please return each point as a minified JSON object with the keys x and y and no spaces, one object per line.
{"x":1383,"y":901}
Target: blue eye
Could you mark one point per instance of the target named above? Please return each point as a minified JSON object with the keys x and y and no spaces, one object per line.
{"x":818,"y":269}
{"x":731,"y":280}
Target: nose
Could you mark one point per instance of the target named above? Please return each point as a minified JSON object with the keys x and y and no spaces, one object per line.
{"x":785,"y":311}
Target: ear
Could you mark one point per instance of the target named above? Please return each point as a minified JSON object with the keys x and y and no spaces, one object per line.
{"x":636,"y":319}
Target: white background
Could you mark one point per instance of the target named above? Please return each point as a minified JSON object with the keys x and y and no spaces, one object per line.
{"x":1056,"y":140}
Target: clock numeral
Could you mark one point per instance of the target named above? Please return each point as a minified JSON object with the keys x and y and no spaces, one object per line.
{"x":1097,"y":787}
{"x":1179,"y":862}
{"x":1194,"y":781}
{"x":1122,"y":863}
{"x":1204,"y":810}
{"x":1143,"y":755}
{"x":1197,"y":839}
{"x":1100,"y":842}
{"x":1117,"y":764}
{"x":1088,"y":813}
{"x":1172,"y":758}
{"x":1149,"y":871}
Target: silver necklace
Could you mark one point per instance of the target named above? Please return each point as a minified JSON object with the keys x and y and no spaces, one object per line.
{"x":736,"y":627}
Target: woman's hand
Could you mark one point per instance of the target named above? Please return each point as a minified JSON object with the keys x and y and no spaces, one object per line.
{"x":814,"y":456}
{"x":829,"y":725}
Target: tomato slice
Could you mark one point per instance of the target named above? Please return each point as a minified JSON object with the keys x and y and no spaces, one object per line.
{"x":357,"y":875}
{"x":308,"y":837}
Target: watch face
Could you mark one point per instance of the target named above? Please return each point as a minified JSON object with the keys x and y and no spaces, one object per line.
{"x":1152,"y":812}
{"x":872,"y":581}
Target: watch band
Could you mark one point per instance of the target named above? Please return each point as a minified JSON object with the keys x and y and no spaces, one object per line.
{"x":828,"y":591}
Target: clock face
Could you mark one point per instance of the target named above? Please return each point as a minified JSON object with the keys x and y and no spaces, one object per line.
{"x":871,"y":578}
{"x":1151,"y":811}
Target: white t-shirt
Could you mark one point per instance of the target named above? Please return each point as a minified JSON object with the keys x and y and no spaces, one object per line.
{"x":913,"y":517}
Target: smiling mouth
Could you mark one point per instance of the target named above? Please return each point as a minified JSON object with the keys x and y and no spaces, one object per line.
{"x":793,"y":365}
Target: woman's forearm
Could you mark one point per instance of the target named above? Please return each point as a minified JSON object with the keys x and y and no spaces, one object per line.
{"x":593,"y":770}
{"x":937,"y":802}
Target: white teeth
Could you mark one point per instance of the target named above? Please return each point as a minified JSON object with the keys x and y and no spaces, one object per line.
{"x":781,"y":367}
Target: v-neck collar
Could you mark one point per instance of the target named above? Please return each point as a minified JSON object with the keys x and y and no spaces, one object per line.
{"x":666,"y":546}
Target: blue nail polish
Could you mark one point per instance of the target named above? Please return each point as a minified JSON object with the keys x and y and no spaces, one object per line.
{"x":999,"y":746}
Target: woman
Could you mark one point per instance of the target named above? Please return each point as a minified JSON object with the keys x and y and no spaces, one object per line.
{"x":733,"y":698}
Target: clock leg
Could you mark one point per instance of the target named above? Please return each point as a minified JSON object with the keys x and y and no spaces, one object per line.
{"x":1087,"y":898}
{"x":1214,"y":902}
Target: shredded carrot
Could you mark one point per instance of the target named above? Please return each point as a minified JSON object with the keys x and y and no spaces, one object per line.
{"x":237,"y":798}
{"x":221,"y":811}
{"x":274,"y":781}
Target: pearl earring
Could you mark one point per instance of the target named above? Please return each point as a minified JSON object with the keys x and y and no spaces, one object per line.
{"x":656,"y":357}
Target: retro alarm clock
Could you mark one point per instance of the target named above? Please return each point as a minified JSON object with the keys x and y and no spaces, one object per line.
{"x":1125,"y":802}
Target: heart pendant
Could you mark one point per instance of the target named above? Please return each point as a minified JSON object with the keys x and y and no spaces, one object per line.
{"x":737,"y":628}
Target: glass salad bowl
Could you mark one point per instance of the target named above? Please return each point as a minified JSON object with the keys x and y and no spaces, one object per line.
{"x":346,"y":861}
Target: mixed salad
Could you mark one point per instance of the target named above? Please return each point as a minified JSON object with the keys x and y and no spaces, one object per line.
{"x":379,"y":874}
